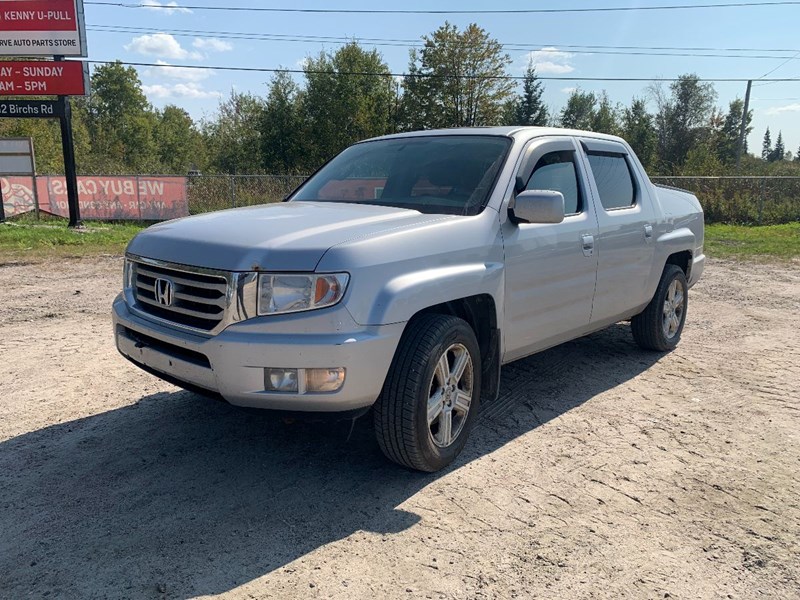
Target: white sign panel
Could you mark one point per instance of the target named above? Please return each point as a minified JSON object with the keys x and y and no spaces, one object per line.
{"x":42,"y":28}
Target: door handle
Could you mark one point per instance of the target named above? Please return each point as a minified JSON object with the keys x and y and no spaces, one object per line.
{"x":587,"y":243}
{"x":648,"y":232}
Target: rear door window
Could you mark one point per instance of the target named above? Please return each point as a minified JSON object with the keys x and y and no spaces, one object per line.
{"x":614,"y":180}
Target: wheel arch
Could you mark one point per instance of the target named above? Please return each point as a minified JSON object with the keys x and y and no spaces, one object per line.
{"x":480,"y":313}
{"x":682,"y":259}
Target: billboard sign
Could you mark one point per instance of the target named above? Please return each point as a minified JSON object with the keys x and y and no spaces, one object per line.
{"x":42,"y":28}
{"x":137,"y":198}
{"x":44,"y":78}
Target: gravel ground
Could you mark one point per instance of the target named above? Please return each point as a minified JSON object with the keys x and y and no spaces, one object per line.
{"x":602,"y":472}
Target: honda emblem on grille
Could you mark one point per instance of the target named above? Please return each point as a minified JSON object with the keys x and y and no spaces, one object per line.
{"x":164,"y":291}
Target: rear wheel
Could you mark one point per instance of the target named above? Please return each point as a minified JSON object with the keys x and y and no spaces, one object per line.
{"x":659,"y":326}
{"x":431,"y":394}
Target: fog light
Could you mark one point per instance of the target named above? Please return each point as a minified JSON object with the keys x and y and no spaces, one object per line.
{"x":324,"y":380}
{"x":281,"y":380}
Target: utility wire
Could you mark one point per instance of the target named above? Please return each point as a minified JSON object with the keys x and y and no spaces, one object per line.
{"x":392,"y":11}
{"x":428,"y":76}
{"x":573,"y":49}
{"x":369,"y":39}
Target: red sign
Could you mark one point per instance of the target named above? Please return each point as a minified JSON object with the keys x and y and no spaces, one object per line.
{"x":38,"y":15}
{"x":110,"y":198}
{"x":42,"y":28}
{"x":43,"y":78}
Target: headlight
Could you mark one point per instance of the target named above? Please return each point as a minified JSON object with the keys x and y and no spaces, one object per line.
{"x":127,"y":275}
{"x":289,"y":292}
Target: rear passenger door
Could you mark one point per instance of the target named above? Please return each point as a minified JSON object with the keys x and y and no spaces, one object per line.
{"x":625,"y":246}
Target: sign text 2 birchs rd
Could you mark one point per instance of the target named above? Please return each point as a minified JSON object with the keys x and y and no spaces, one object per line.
{"x":42,"y":28}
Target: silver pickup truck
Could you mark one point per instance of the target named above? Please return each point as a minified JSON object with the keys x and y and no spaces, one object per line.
{"x":406,"y":271}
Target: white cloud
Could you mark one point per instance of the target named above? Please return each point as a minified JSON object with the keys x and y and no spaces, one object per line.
{"x":212,"y":45}
{"x":162,"y":45}
{"x":167,"y":8}
{"x":168,"y":71}
{"x":179,"y":90}
{"x":569,"y":90}
{"x":776,"y":110}
{"x":550,"y":60}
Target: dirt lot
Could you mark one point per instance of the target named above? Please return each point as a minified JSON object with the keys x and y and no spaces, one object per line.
{"x":603,"y":471}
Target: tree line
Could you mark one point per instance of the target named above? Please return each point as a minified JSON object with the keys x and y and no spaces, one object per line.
{"x":457,"y":78}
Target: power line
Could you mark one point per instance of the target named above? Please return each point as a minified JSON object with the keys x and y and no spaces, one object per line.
{"x":370,"y":39}
{"x":431,"y":76}
{"x":573,"y":49}
{"x":788,"y":60}
{"x":255,"y":35}
{"x":173,"y":7}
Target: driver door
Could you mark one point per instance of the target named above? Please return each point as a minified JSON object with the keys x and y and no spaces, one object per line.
{"x":551,"y":269}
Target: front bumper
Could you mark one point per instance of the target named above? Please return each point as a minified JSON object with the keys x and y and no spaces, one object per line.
{"x":232,"y":362}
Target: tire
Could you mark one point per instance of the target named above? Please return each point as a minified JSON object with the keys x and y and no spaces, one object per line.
{"x":416,"y":380}
{"x":659,"y":326}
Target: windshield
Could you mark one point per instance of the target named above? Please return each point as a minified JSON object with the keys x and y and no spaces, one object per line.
{"x":451,"y":174}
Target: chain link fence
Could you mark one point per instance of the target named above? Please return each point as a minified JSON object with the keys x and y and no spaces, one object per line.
{"x":750,"y":200}
{"x":741,"y":200}
{"x":207,"y":193}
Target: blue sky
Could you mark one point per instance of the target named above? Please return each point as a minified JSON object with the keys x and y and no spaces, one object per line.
{"x":776,"y":105}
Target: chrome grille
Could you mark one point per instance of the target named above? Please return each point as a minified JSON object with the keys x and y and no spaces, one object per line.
{"x":199,"y":299}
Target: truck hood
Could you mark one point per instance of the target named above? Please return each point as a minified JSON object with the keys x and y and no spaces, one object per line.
{"x":289,"y":236}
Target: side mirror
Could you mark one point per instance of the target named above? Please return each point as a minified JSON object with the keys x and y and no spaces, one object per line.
{"x":537,"y":206}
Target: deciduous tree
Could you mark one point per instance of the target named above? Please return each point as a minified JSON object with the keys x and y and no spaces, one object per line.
{"x":727,"y":142}
{"x":233,"y":135}
{"x":180,"y":144}
{"x":283,"y":133}
{"x":458,"y":79}
{"x":121,"y":121}
{"x":349,"y":96}
{"x":682,"y":120}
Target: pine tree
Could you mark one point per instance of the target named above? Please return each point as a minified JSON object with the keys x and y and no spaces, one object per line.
{"x":605,"y":117}
{"x":529,"y":108}
{"x":797,"y":156}
{"x":780,"y":151}
{"x":766,"y":147}
{"x":639,"y":131}
{"x":580,"y":110}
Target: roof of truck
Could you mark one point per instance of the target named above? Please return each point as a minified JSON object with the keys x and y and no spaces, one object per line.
{"x":506,"y":131}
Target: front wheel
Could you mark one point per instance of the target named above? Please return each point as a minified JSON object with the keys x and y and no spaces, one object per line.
{"x":431,"y":394}
{"x":659,"y":326}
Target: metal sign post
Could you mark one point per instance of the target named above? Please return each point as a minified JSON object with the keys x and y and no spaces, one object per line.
{"x":70,"y":171}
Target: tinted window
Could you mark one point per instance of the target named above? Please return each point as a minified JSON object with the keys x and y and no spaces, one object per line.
{"x":432,"y":174}
{"x":556,"y":171}
{"x":614,"y":180}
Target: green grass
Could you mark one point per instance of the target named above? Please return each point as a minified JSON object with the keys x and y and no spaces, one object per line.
{"x":746,"y":242}
{"x":27,"y":240}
